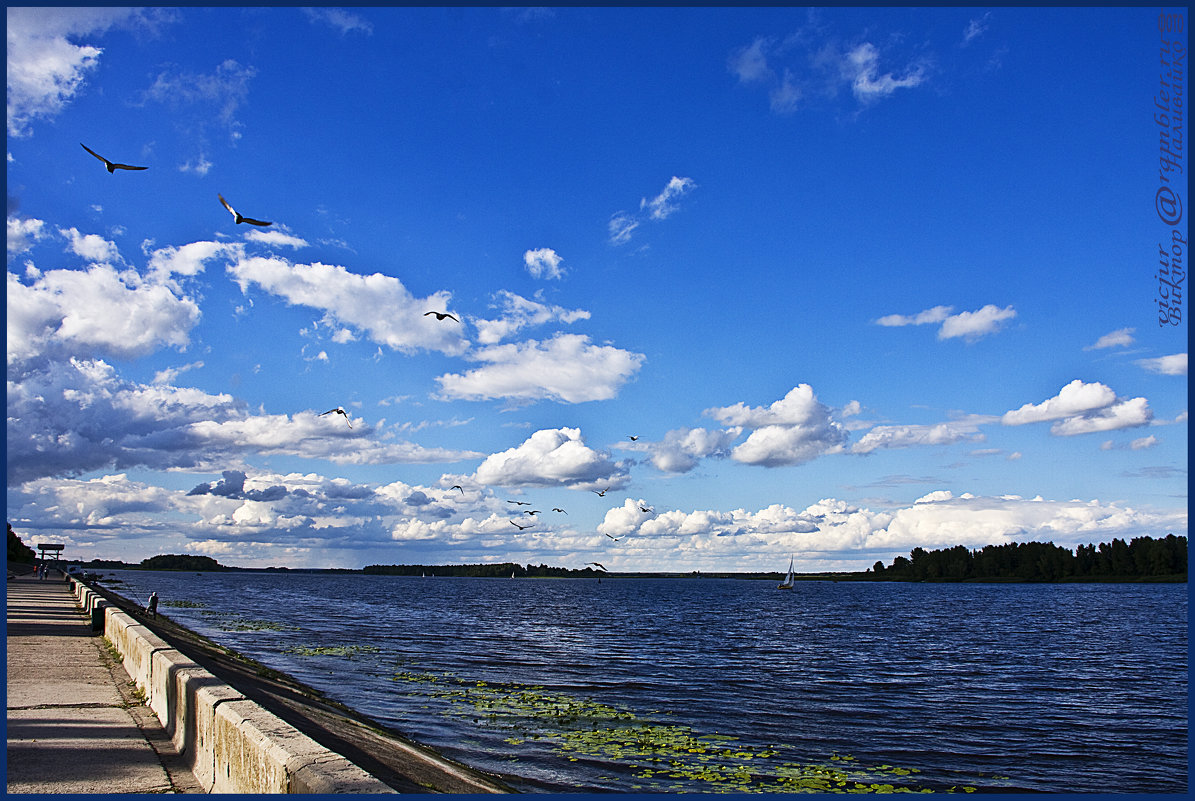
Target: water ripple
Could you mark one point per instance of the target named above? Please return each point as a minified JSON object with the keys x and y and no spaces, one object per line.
{"x":704,"y":685}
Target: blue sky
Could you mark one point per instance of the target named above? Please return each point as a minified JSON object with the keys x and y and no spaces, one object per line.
{"x":856,"y":280}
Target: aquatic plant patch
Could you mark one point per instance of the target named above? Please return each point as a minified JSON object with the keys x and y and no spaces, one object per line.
{"x":331,"y":650}
{"x":229,"y":621}
{"x":661,"y":756}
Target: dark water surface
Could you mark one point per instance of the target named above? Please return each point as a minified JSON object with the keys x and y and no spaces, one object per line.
{"x":704,"y":685}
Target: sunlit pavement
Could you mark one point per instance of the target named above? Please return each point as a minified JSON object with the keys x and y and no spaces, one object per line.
{"x":71,"y":727}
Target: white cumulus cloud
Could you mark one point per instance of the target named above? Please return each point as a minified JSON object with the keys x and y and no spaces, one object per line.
{"x":682,"y":449}
{"x":973,"y":325}
{"x":92,"y":247}
{"x":1075,"y":398}
{"x":1081,"y":408}
{"x":45,"y":68}
{"x":1120,"y":338}
{"x":189,"y":259}
{"x":1175,"y":364}
{"x":519,"y":313}
{"x":97,"y":310}
{"x":23,"y":232}
{"x":1125,"y":414}
{"x":970,"y":325}
{"x":567,"y":368}
{"x":836,"y":530}
{"x":935,"y":315}
{"x":379,"y":305}
{"x":543,"y":263}
{"x":792,"y":430}
{"x":276,"y":237}
{"x":907,"y":436}
{"x":551,"y":458}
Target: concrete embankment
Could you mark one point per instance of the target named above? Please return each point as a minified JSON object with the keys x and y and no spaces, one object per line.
{"x":231,"y":744}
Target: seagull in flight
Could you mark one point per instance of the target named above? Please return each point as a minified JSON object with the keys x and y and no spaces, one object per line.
{"x":112,"y":166}
{"x":516,"y":525}
{"x":519,"y":503}
{"x":558,"y":509}
{"x":530,"y":511}
{"x":611,"y":536}
{"x":602,"y":494}
{"x":457,"y":486}
{"x":338,"y":410}
{"x":237,"y":216}
{"x":632,"y":439}
{"x":441,"y":315}
{"x":598,"y":564}
{"x":647,"y":509}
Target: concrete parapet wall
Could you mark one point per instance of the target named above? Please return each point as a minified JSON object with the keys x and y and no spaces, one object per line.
{"x":231,"y":744}
{"x":140,"y":645}
{"x":165,"y":684}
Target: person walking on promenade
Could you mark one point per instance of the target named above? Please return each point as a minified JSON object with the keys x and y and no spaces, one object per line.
{"x":151,"y":608}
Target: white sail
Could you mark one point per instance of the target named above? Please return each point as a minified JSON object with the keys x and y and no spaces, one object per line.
{"x":787,"y":584}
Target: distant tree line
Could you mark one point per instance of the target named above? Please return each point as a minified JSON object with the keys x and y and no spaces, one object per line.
{"x":499,"y":570}
{"x":18,"y":551}
{"x":1141,"y":558}
{"x":172,"y":561}
{"x":110,"y":564}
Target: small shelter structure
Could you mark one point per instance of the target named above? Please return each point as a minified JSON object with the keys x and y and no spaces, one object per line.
{"x":52,"y":547}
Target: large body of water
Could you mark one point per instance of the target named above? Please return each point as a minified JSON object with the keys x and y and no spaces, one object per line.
{"x":650,"y":685}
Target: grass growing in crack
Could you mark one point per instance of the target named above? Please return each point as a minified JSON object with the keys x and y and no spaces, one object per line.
{"x":112,"y":651}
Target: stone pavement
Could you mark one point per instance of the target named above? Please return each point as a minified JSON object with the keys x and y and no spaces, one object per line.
{"x":74,"y":725}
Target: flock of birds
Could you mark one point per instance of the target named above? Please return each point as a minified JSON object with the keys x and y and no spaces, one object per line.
{"x":113,"y":166}
{"x":599,"y":493}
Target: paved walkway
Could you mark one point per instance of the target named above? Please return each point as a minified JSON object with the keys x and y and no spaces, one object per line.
{"x":73,"y":725}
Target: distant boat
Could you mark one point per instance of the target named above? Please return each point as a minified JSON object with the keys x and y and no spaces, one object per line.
{"x":787,"y":584}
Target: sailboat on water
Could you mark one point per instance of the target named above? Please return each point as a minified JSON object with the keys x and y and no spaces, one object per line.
{"x":787,"y":584}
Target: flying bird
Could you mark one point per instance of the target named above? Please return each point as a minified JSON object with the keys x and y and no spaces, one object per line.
{"x":441,"y":315}
{"x":530,"y":511}
{"x":520,"y":503}
{"x":237,"y":216}
{"x":112,"y":166}
{"x":598,"y":564}
{"x":611,"y":536}
{"x":338,"y":410}
{"x":558,"y":509}
{"x":459,"y":487}
{"x":646,"y":509}
{"x":516,"y":525}
{"x":602,"y":494}
{"x":632,"y":439}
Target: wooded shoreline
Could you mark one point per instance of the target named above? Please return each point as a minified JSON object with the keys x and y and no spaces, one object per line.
{"x":1141,"y":560}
